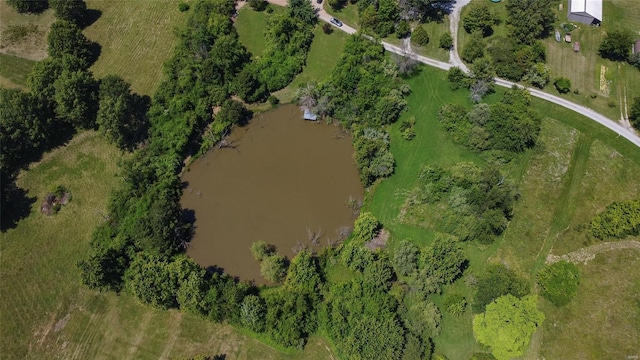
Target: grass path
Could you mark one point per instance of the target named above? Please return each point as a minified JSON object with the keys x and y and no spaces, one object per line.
{"x":588,"y":253}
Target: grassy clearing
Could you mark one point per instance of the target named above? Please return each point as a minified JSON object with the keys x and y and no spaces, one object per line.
{"x":34,"y":45}
{"x":15,"y":70}
{"x":348,"y":14}
{"x":48,"y":314}
{"x":323,"y":56}
{"x":137,"y":37}
{"x":251,"y":25}
{"x":603,"y":321}
{"x":578,"y":169}
{"x":435,"y":30}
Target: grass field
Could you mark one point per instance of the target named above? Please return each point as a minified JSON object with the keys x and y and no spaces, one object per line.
{"x":137,"y":37}
{"x":32,"y":46}
{"x":251,"y":24}
{"x":14,"y":71}
{"x":579,"y":168}
{"x":47,"y":313}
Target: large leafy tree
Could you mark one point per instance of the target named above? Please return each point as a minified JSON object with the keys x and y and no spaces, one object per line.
{"x":70,"y":10}
{"x":530,"y":19}
{"x":66,"y":38}
{"x":443,"y":260}
{"x":616,"y":45}
{"x":28,"y":6}
{"x":507,"y":325}
{"x":76,"y":98}
{"x":480,"y":19}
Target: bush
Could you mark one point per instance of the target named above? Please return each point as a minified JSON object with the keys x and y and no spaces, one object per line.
{"x":327,"y":28}
{"x":420,"y":36}
{"x":634,"y":115}
{"x":559,"y":282}
{"x":261,"y":250}
{"x":616,"y":45}
{"x":457,"y":78}
{"x":618,"y":220}
{"x":563,"y":85}
{"x":539,"y":75}
{"x":274,"y":268}
{"x":183,"y":7}
{"x":474,"y":48}
{"x":366,"y":226}
{"x":446,"y":41}
{"x":403,"y":29}
{"x":258,"y":5}
{"x":405,"y":257}
{"x":273,"y":100}
{"x":455,"y":304}
{"x":497,"y":281}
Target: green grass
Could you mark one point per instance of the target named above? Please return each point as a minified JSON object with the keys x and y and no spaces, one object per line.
{"x":603,"y":320}
{"x":435,"y":29}
{"x":15,"y":70}
{"x":251,"y":25}
{"x":137,"y":37}
{"x":578,"y":169}
{"x":347,"y":14}
{"x":33,"y":46}
{"x":47,"y":313}
{"x":323,"y":56}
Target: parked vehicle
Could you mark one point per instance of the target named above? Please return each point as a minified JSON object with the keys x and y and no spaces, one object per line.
{"x":336,"y":22}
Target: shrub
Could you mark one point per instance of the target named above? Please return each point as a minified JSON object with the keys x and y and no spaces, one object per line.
{"x":261,"y":250}
{"x":455,"y":304}
{"x":183,"y":7}
{"x":420,"y":36}
{"x":258,"y":5}
{"x":474,"y":48}
{"x":405,"y":257}
{"x":446,"y":41}
{"x":559,"y":282}
{"x":457,"y":78}
{"x":403,"y":29}
{"x":539,"y":75}
{"x":253,"y":312}
{"x":497,"y":281}
{"x":273,"y":100}
{"x":274,"y":268}
{"x":634,"y":115}
{"x":327,"y":28}
{"x":366,"y":226}
{"x":563,"y":85}
{"x":356,"y":257}
{"x":618,"y":220}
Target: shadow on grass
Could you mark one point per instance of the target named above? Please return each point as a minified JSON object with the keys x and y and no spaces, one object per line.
{"x":89,"y":17}
{"x":16,"y":205}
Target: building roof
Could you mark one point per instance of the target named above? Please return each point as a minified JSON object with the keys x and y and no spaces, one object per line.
{"x":308,"y":115}
{"x":587,"y":7}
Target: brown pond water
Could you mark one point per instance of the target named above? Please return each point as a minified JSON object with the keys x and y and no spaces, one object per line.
{"x":285,"y":176}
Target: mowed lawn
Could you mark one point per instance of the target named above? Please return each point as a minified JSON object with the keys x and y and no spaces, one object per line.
{"x":136,"y":37}
{"x":46,"y":312}
{"x":579,"y":168}
{"x":14,"y":71}
{"x":251,"y":25}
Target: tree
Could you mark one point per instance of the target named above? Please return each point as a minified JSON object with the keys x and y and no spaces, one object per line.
{"x":302,"y":10}
{"x":616,"y":45}
{"x":69,"y":10}
{"x":480,"y":19}
{"x":274,"y":268}
{"x":403,"y":29}
{"x":443,"y":260}
{"x":307,"y":96}
{"x":253,"y":313}
{"x":234,"y":112}
{"x":366,"y":226}
{"x":539,"y":75}
{"x":420,"y":36}
{"x":497,"y":281}
{"x":76,"y":98}
{"x":146,"y":279}
{"x":446,"y":41}
{"x":29,"y":6}
{"x":405,"y":257}
{"x":66,"y":38}
{"x":562,"y":84}
{"x":457,"y":78}
{"x":530,"y":19}
{"x":303,"y":273}
{"x":261,"y":250}
{"x":559,"y":282}
{"x":474,"y":48}
{"x":121,"y":114}
{"x":634,"y":115}
{"x":507,"y":325}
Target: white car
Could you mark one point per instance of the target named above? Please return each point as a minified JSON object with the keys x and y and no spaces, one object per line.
{"x":336,"y":22}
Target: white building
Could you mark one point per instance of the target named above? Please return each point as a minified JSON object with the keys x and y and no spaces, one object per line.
{"x":586,"y":11}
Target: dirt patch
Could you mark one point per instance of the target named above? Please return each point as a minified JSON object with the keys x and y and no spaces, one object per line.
{"x":62,"y":323}
{"x":378,"y":242}
{"x":588,"y":253}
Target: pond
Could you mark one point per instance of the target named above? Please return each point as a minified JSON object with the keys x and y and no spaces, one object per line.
{"x":281,"y":180}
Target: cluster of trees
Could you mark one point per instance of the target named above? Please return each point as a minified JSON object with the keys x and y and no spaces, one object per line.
{"x":64,"y":97}
{"x":559,"y":282}
{"x":618,"y":220}
{"x":288,"y":37}
{"x":69,"y":10}
{"x":520,"y":56}
{"x":510,"y":125}
{"x":145,"y":214}
{"x":475,"y":203}
{"x":366,"y":94}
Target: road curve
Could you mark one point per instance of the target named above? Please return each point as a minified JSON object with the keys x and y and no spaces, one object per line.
{"x":585,"y":111}
{"x":454,"y":20}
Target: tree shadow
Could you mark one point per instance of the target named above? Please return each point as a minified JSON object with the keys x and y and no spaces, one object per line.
{"x":437,"y":11}
{"x":89,"y":17}
{"x":95,"y":50}
{"x":16,"y":205}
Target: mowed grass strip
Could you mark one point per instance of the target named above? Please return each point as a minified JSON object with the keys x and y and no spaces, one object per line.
{"x":15,"y":69}
{"x":136,"y":38}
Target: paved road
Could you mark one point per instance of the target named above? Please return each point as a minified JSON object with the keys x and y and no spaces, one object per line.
{"x":454,"y":20}
{"x":455,"y":59}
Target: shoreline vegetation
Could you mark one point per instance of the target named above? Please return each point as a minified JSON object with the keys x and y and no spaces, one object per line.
{"x":469,"y":189}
